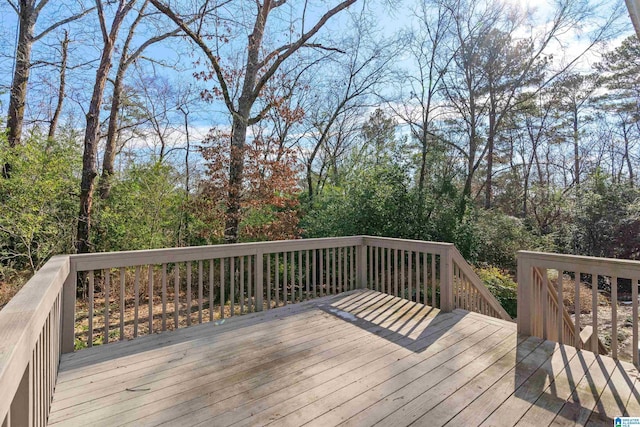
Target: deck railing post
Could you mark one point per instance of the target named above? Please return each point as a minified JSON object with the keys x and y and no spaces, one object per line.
{"x":525,"y":287}
{"x":21,"y":411}
{"x":259,"y":280}
{"x":446,"y":280}
{"x":69,"y":311}
{"x":362,"y":265}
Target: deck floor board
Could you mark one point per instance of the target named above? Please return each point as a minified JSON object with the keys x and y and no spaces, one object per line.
{"x":359,"y":358}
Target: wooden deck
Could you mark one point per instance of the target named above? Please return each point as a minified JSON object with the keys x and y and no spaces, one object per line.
{"x":359,"y":359}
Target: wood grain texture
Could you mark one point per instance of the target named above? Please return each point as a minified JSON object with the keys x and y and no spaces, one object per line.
{"x":357,"y":358}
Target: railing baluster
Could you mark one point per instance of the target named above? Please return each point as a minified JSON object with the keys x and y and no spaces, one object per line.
{"x":200,"y":291}
{"x":241,"y":285}
{"x":614,"y":317}
{"x":352,"y":264}
{"x":91,"y":279}
{"x":122,"y":300}
{"x":285,"y":278}
{"x":376,"y":269}
{"x":333,"y":271}
{"x":634,"y":315}
{"x":594,"y":312}
{"x":433,"y":280}
{"x":107,"y":295}
{"x":402,"y":276}
{"x":388,"y":270}
{"x":249,"y":284}
{"x":417,"y":297}
{"x":211,"y":301}
{"x":300,"y":285}
{"x":395,"y":260}
{"x":277,"y":273}
{"x":176,"y":295}
{"x":340,"y":279}
{"x":150,"y":299}
{"x":164,"y":297}
{"x":560,"y":316}
{"x":409,"y":275}
{"x":545,"y":303}
{"x":577,"y":310}
{"x":424,"y":278}
{"x":223,"y":301}
{"x":268,"y":281}
{"x":189,"y":293}
{"x":293,"y":278}
{"x":327,"y":270}
{"x":314,"y":275}
{"x":321,"y":269}
{"x":307,"y":270}
{"x":232,"y":287}
{"x":136,"y":300}
{"x":370,"y":280}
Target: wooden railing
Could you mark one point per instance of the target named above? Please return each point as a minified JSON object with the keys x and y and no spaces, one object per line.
{"x":30,"y":346}
{"x":432,"y":273}
{"x":541,"y":308}
{"x":129,"y":294}
{"x":78,"y":301}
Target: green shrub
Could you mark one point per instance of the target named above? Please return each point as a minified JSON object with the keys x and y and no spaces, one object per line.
{"x":502,"y":286}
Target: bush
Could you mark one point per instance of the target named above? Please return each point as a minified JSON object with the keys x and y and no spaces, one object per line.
{"x":502,"y":286}
{"x":144,"y":210}
{"x":39,"y":207}
{"x":498,"y":237}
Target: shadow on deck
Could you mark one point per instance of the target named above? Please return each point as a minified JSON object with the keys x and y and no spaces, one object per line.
{"x":357,"y":358}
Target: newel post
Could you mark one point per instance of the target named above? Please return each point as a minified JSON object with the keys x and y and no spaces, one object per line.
{"x":259,"y":280}
{"x":362,"y":265}
{"x":524,"y":294}
{"x":446,"y":280}
{"x":69,"y":309}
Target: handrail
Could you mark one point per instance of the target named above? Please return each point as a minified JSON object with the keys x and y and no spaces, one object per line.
{"x":95,"y":261}
{"x":30,"y":342}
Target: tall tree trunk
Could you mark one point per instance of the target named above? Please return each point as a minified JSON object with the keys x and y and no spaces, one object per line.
{"x":491,"y":137}
{"x":89,"y":163}
{"x":92,"y":131}
{"x":576,"y":148}
{"x":423,"y":159}
{"x":236,"y":173}
{"x":489,"y":183}
{"x":109,"y":157}
{"x":53,"y":126}
{"x":18,"y":95}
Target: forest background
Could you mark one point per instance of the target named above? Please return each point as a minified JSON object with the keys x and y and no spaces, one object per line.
{"x":495,"y":125}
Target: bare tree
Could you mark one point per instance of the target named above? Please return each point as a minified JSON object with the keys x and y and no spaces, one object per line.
{"x":64,"y":54}
{"x":128,"y":56}
{"x":28,"y":12}
{"x":426,"y":45}
{"x":92,"y":131}
{"x":355,"y":77}
{"x":260,"y":66}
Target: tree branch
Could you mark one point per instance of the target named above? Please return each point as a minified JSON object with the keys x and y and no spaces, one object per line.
{"x":103,"y":24}
{"x":63,"y":22}
{"x":14,"y":7}
{"x":210,"y":56}
{"x":277,"y":51}
{"x":297,"y":45}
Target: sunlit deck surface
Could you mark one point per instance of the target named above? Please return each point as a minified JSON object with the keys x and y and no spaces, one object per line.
{"x":358,"y":358}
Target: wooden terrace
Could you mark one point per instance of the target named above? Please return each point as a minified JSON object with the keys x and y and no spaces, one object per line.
{"x":366,"y":338}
